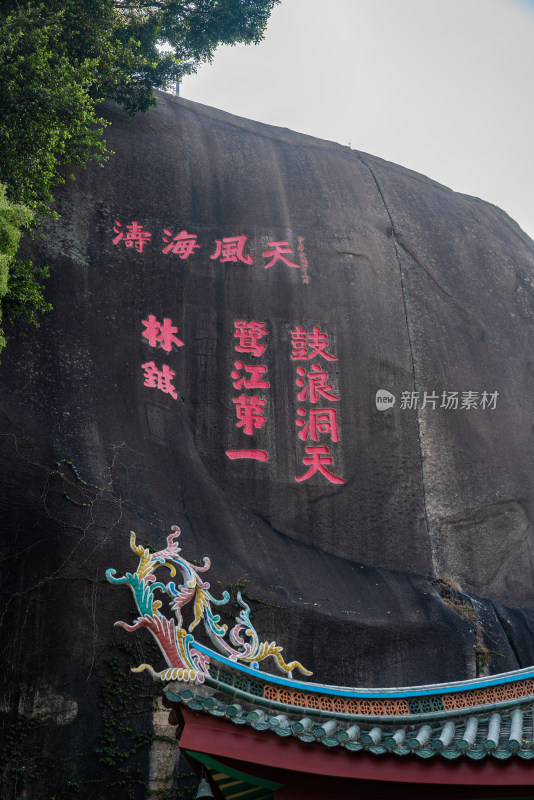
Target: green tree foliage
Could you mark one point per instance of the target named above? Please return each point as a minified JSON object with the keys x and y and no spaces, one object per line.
{"x":47,"y":116}
{"x":20,"y":283}
{"x":60,"y":58}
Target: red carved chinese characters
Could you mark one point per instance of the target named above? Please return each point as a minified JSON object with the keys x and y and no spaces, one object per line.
{"x":182,"y":245}
{"x":315,"y":385}
{"x":161,"y":333}
{"x":254,"y":382}
{"x":248,"y":334}
{"x":257,"y":455}
{"x":318,"y":423}
{"x":278,"y":253}
{"x":318,"y":459}
{"x":249,"y":408}
{"x":303,"y":261}
{"x":227,"y":249}
{"x":159,"y":379}
{"x":321,"y":421}
{"x":308,"y":345}
{"x":231,"y":249}
{"x":249,"y":413}
{"x":134,"y":236}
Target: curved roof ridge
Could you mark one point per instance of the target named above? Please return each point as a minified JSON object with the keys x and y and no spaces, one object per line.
{"x":373,"y":692}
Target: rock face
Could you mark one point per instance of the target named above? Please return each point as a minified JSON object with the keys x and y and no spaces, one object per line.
{"x":228,"y":300}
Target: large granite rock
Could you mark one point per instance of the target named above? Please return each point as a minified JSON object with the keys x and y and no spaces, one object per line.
{"x":417,"y":289}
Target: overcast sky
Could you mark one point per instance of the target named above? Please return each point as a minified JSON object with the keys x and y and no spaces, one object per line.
{"x":444,"y":87}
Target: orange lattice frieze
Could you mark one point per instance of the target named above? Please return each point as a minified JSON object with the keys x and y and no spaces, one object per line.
{"x":490,"y":694}
{"x":398,"y":707}
{"x":285,"y":696}
{"x":449,"y":701}
{"x":526,"y":687}
{"x":312,"y":701}
{"x":383,"y":708}
{"x":270,"y":692}
{"x":340,"y":705}
{"x":394,"y":707}
{"x":299,"y":699}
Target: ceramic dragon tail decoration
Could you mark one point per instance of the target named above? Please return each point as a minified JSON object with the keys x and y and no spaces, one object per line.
{"x":186,"y":661}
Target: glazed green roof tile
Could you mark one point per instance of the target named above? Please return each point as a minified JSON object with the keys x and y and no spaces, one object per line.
{"x":501,"y":735}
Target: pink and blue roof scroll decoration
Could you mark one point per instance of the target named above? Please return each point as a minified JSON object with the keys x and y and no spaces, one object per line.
{"x":186,"y":659}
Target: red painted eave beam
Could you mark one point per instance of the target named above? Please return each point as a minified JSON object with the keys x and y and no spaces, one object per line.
{"x":220,"y":738}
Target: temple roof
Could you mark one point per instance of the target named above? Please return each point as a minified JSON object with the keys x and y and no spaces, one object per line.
{"x":476,"y":718}
{"x":486,"y":717}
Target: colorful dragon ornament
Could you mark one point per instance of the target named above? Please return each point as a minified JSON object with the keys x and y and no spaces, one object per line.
{"x":187,"y":660}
